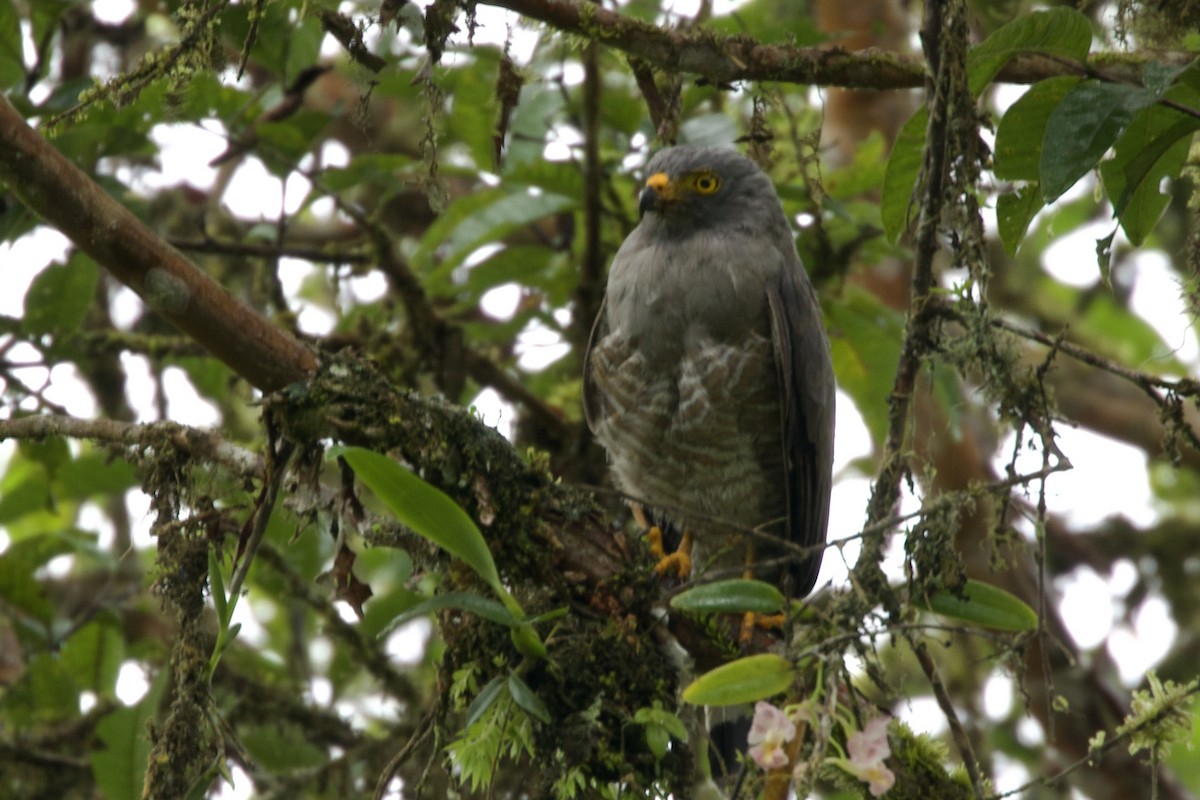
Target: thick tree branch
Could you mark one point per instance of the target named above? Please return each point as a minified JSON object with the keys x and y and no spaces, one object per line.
{"x":57,"y":190}
{"x":724,"y":59}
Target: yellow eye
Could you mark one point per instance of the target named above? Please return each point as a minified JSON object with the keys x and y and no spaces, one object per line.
{"x":706,"y":183}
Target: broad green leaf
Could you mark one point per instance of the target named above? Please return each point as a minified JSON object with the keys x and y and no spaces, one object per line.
{"x":281,"y":748}
{"x":865,"y":346}
{"x":1014,"y":211}
{"x":1154,"y":146}
{"x":93,"y":655}
{"x":982,"y":604}
{"x":93,"y":474}
{"x":12,"y":53}
{"x":1019,"y":136}
{"x":426,"y":509}
{"x":1061,"y":32}
{"x":59,"y":297}
{"x":730,"y":597}
{"x":303,"y":46}
{"x":1082,"y":129}
{"x":119,"y":765}
{"x":19,"y":587}
{"x":24,"y":489}
{"x":477,"y":219}
{"x":463,"y":601}
{"x":365,"y":168}
{"x":527,"y":699}
{"x":743,"y":681}
{"x":898,"y":206}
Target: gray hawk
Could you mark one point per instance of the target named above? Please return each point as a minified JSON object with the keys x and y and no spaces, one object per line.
{"x":708,"y":378}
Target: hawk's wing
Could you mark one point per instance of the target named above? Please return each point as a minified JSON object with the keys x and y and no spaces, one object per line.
{"x":807,"y":387}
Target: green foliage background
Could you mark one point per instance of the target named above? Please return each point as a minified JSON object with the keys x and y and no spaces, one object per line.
{"x":424,"y":145}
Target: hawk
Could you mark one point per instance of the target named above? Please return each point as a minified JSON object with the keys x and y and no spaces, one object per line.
{"x":708,"y":378}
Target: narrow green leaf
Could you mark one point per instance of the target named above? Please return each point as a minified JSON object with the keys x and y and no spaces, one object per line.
{"x":897,"y":206}
{"x":982,"y":604}
{"x":483,"y":701}
{"x":216,"y":585}
{"x":1014,"y":212}
{"x":464,"y":601}
{"x":731,"y":597}
{"x":1082,"y":128}
{"x":1062,"y":32}
{"x":743,"y":681}
{"x":425,"y":509}
{"x":1018,"y":152}
{"x":526,"y":699}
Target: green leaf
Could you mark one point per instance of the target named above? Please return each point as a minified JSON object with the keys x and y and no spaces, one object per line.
{"x":730,"y":597}
{"x":484,"y":700}
{"x":59,"y":297}
{"x":12,"y":53}
{"x":743,"y":681}
{"x":93,"y":656}
{"x":477,"y":219}
{"x":982,"y":604}
{"x":1082,"y":129}
{"x":426,"y":509}
{"x":897,"y":204}
{"x":527,"y":700}
{"x":93,"y":474}
{"x":1153,"y":146}
{"x":660,"y":725}
{"x":1060,"y":32}
{"x":120,"y":764}
{"x":18,"y":566}
{"x":1019,"y":136}
{"x":464,"y":601}
{"x":865,"y":349}
{"x":280,"y":748}
{"x":1014,"y":212}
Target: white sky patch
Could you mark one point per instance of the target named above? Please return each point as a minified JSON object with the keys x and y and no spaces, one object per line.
{"x":494,"y":411}
{"x":1071,"y":258}
{"x":132,"y":683}
{"x":1157,"y":299}
{"x":1107,"y":478}
{"x":184,"y":154}
{"x":998,"y":696}
{"x":112,"y":12}
{"x":406,"y":644}
{"x":1086,"y":607}
{"x":501,"y":301}
{"x":1139,"y":648}
{"x":539,"y":346}
{"x":184,"y":403}
{"x":139,"y":387}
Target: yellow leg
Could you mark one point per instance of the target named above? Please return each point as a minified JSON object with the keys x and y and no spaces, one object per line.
{"x":752,"y":620}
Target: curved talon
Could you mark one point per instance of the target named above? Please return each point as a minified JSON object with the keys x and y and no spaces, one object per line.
{"x":679,"y":562}
{"x":751,"y":621}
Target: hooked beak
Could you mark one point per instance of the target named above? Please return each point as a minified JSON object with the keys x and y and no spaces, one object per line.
{"x":659,"y":190}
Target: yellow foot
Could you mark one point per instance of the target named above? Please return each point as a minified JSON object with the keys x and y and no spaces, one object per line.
{"x":679,"y":562}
